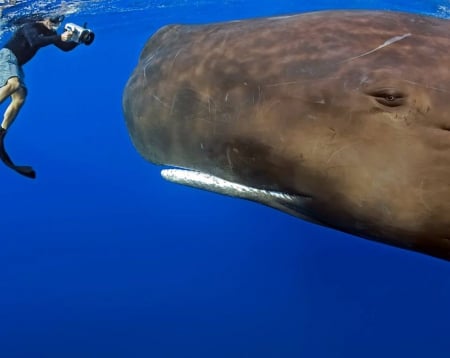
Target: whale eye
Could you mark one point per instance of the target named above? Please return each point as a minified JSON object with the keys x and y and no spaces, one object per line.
{"x":389,"y":97}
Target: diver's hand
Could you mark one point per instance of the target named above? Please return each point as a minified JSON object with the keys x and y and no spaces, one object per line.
{"x":66,"y":36}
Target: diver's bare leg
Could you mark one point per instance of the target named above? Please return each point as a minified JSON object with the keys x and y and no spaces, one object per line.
{"x":17,"y":101}
{"x":11,"y":86}
{"x":18,"y":94}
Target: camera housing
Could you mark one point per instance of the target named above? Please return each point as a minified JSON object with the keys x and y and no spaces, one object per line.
{"x":80,"y":34}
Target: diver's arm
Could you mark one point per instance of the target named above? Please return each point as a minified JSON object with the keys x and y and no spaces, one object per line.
{"x":65,"y":45}
{"x":37,"y":39}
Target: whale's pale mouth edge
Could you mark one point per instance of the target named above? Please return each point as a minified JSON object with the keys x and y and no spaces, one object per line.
{"x":289,"y":203}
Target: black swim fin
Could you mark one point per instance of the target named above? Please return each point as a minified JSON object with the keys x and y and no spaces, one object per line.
{"x":24,"y":170}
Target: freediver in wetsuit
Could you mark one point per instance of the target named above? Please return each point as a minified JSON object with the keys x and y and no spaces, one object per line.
{"x":20,"y":49}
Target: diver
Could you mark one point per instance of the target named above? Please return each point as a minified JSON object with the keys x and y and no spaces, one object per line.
{"x":20,"y":49}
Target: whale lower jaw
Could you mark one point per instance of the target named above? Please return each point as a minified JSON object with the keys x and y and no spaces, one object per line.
{"x":289,"y":203}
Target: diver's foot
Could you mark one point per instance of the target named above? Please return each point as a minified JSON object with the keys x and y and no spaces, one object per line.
{"x":26,"y":171}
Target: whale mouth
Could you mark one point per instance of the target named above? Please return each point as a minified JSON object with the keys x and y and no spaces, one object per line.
{"x":291,"y":203}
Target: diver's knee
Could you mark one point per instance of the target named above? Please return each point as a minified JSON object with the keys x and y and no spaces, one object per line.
{"x":13,"y":83}
{"x":20,"y":95}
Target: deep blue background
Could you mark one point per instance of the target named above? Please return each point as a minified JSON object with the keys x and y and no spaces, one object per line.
{"x":99,"y":257}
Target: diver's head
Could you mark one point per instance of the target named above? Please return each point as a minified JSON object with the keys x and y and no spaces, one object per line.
{"x":54,"y":22}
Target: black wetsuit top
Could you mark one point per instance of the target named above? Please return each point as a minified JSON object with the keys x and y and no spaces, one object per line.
{"x":29,"y":38}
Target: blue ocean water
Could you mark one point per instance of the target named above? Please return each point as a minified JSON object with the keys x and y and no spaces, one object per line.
{"x":100,"y":257}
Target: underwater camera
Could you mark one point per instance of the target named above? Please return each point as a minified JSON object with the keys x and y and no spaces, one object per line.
{"x":80,"y":34}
